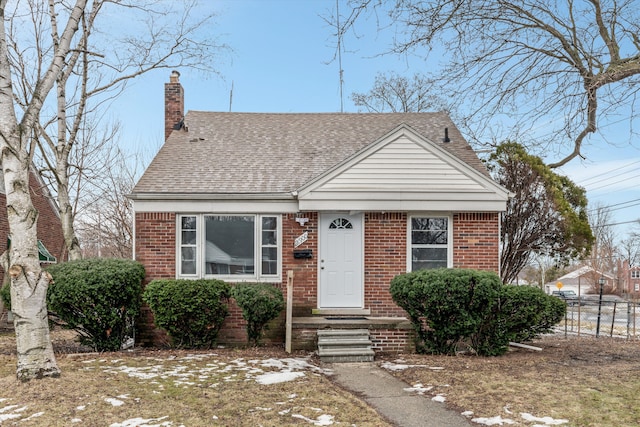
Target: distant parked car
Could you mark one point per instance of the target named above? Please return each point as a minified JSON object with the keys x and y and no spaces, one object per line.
{"x":570,"y":297}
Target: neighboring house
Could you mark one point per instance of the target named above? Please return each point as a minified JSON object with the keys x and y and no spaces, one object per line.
{"x":51,"y":246}
{"x":634,"y":280}
{"x":344,"y":201}
{"x":585,"y":280}
{"x":629,"y":278}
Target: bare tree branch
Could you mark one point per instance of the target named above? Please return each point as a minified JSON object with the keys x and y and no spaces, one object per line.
{"x":562,"y":66}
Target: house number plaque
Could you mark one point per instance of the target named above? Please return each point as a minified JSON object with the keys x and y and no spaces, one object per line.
{"x":301,"y":239}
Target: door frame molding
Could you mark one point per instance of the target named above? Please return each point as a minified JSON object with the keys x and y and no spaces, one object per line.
{"x":322,"y":221}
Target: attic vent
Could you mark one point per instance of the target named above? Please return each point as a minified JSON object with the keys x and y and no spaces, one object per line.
{"x":196,"y":139}
{"x":446,"y":135}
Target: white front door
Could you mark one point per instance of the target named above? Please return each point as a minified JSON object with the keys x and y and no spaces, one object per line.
{"x":341,"y":267}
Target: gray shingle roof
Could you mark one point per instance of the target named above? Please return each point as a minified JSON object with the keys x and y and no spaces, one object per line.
{"x":277,"y":152}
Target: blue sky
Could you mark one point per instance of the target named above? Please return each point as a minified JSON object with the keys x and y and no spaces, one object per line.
{"x":282,"y":62}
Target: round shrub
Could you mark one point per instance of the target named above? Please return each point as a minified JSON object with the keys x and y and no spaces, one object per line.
{"x":260,"y":303}
{"x":99,"y":298}
{"x":523,"y":313}
{"x":446,"y":306}
{"x":191,"y":311}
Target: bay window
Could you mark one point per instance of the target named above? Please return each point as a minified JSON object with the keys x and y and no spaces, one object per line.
{"x":241,"y":247}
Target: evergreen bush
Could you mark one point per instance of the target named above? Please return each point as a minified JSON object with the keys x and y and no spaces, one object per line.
{"x":445,"y":306}
{"x":449,"y":307}
{"x":523,"y":313}
{"x":260,"y":303}
{"x":99,"y":298}
{"x":191,"y":311}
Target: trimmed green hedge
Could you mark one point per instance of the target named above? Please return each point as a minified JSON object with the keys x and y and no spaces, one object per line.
{"x":453,"y":307}
{"x":99,"y":298}
{"x":191,"y":311}
{"x":523,"y":313}
{"x":445,"y":305}
{"x":260,"y":303}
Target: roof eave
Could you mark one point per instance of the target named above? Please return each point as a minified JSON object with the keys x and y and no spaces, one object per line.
{"x":212,"y":196}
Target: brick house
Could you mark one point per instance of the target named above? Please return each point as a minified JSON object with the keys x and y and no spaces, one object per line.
{"x":629,"y":278}
{"x":343,"y":202}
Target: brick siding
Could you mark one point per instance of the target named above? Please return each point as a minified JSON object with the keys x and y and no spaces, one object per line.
{"x":155,"y":248}
{"x":173,"y":105}
{"x":475,"y":245}
{"x":385,"y":256}
{"x":476,"y":241}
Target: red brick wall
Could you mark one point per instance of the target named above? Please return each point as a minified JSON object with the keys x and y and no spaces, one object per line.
{"x":305,"y":270}
{"x":385,"y":256}
{"x":475,"y":245}
{"x":392,"y":340}
{"x":155,"y":248}
{"x":476,"y":241}
{"x":173,"y":104}
{"x":156,"y":244}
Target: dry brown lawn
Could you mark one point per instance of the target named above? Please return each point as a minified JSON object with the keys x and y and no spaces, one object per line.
{"x":225,"y":387}
{"x":585,"y":381}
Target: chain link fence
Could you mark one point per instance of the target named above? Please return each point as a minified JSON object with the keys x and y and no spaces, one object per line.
{"x":610,"y":318}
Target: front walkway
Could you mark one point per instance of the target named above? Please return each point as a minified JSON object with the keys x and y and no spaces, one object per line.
{"x":388,"y":396}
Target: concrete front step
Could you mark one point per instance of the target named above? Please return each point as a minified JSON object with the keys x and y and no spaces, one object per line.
{"x":344,"y":345}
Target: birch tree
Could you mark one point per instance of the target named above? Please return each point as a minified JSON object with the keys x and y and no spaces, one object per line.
{"x":132,"y":39}
{"x":51,"y":76}
{"x":29,"y":282}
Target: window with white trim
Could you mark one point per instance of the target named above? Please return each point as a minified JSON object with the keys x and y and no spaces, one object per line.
{"x":188,"y":246}
{"x":430,"y":243}
{"x":245,"y":247}
{"x":635,"y":274}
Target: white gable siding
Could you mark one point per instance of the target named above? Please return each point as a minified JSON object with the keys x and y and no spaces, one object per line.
{"x":403,"y":172}
{"x":402,"y":165}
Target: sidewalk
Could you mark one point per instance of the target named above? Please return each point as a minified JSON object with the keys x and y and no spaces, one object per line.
{"x":387,"y":395}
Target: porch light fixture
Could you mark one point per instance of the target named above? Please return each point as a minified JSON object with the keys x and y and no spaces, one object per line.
{"x":302,"y":221}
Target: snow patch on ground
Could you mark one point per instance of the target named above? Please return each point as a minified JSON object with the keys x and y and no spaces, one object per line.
{"x":418,"y":388}
{"x":141,"y":422}
{"x":322,"y":420}
{"x":547,"y":421}
{"x":493,"y":421}
{"x":278,"y":377}
{"x":114,"y":402}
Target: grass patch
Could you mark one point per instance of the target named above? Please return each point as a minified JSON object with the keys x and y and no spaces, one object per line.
{"x":586,"y":381}
{"x":173,"y":388}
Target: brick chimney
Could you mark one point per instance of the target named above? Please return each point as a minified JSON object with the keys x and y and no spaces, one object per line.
{"x":173,"y":104}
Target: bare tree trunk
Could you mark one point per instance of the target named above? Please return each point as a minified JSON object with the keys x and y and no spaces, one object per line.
{"x":74,"y":251}
{"x":28,"y":282}
{"x":31,"y":323}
